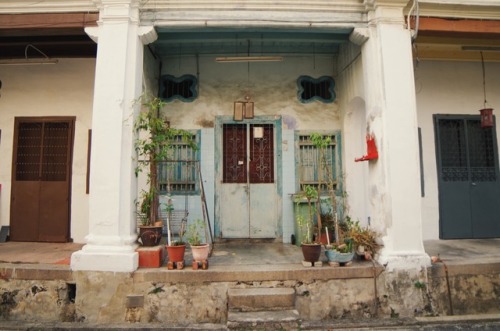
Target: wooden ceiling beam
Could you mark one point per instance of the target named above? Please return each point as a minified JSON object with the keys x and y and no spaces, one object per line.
{"x":457,"y":27}
{"x":52,"y":20}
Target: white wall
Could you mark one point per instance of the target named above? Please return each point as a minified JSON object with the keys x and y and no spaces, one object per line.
{"x":448,"y":88}
{"x":64,"y":89}
{"x":272,"y":86}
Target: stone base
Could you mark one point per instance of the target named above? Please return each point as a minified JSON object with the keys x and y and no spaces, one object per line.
{"x":102,"y":259}
{"x":200,"y":265}
{"x":312,"y":264}
{"x":151,"y":257}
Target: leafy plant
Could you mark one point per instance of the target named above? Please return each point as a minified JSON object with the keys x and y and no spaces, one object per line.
{"x":193,"y":234}
{"x":154,"y":143}
{"x":310,"y":193}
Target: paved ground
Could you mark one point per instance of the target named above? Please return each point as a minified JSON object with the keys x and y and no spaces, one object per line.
{"x":242,"y":252}
{"x":469,"y":322}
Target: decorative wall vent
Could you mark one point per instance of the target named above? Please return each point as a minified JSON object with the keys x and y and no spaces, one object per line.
{"x":311,"y":89}
{"x":183,"y":88}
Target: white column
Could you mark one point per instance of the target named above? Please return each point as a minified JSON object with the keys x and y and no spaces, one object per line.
{"x":394,"y":179}
{"x":110,"y":244}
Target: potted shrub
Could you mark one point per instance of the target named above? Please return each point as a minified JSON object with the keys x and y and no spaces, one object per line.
{"x":199,"y":248}
{"x":311,"y":249}
{"x":154,"y":143}
{"x":176,"y":248}
{"x":364,"y":240}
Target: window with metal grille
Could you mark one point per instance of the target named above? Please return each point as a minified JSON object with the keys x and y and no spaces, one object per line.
{"x":313,"y":168}
{"x":320,"y":89}
{"x":42,"y":151}
{"x":183,"y":88}
{"x":179,"y":175}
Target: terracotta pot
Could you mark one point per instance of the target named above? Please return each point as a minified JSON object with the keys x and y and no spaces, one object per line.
{"x":150,"y":235}
{"x":176,"y":253}
{"x":311,"y":252}
{"x":200,"y":253}
{"x":324,"y":239}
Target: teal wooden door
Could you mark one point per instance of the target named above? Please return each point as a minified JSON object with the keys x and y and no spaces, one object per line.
{"x":468,"y":178}
{"x":248,"y":204}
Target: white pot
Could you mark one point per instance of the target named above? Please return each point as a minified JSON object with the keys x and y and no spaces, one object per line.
{"x":200,"y":253}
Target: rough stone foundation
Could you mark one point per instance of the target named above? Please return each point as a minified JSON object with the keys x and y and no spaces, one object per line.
{"x":105,"y":297}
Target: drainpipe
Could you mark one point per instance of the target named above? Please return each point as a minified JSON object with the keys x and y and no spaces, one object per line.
{"x":436,"y":259}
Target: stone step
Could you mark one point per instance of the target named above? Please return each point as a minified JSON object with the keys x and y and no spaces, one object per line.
{"x":256,"y":299}
{"x":265,"y":320}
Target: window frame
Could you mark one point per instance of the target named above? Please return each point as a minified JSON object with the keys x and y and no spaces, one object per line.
{"x":177,"y":80}
{"x":162,"y":181}
{"x":308,"y":79}
{"x":336,"y":160}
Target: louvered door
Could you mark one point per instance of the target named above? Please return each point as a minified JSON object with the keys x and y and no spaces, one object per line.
{"x":41,"y":179}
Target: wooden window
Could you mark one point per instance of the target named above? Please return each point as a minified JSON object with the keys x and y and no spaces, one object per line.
{"x":313,"y":171}
{"x":179,"y":175}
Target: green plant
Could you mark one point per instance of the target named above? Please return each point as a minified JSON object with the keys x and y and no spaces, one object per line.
{"x":311,"y":195}
{"x":193,"y":233}
{"x":322,"y":142}
{"x":155,"y":141}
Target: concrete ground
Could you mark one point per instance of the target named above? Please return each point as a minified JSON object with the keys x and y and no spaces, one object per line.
{"x":242,"y":252}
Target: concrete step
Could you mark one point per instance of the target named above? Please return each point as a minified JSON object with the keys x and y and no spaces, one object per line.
{"x":264,"y":320}
{"x":259,"y":299}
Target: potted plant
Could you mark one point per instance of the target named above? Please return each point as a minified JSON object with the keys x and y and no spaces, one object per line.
{"x":154,"y":143}
{"x":364,"y":240}
{"x":199,"y":248}
{"x":176,"y":249}
{"x":311,"y":249}
{"x":342,"y":250}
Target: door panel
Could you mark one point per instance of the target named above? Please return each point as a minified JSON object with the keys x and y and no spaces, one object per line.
{"x":235,"y":217}
{"x":41,"y":179}
{"x":248,"y":192}
{"x":469,"y":199}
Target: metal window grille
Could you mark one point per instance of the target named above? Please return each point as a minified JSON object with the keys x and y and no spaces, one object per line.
{"x":178,"y":175}
{"x":311,"y":169}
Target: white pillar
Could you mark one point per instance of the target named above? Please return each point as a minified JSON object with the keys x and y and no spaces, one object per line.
{"x":111,"y":242}
{"x":394,"y":179}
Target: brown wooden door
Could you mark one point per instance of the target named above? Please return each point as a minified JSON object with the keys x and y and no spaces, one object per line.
{"x":41,"y":179}
{"x":248,"y":189}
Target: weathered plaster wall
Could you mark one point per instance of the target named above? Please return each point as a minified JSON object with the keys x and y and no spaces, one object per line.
{"x":107,"y":298}
{"x":354,"y":126}
{"x":64,"y":89}
{"x":272,"y":86}
{"x":448,"y":88}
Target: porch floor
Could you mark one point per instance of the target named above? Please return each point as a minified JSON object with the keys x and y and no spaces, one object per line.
{"x":243,"y":252}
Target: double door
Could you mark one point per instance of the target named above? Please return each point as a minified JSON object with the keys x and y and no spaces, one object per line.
{"x":41,"y":179}
{"x":248,"y":199}
{"x":468,"y":178}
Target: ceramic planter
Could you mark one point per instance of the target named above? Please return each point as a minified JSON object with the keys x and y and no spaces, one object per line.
{"x":150,"y":235}
{"x":200,"y":253}
{"x":311,"y":252}
{"x":335,"y":256}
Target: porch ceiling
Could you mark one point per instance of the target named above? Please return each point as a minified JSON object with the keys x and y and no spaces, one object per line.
{"x":246,"y":42}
